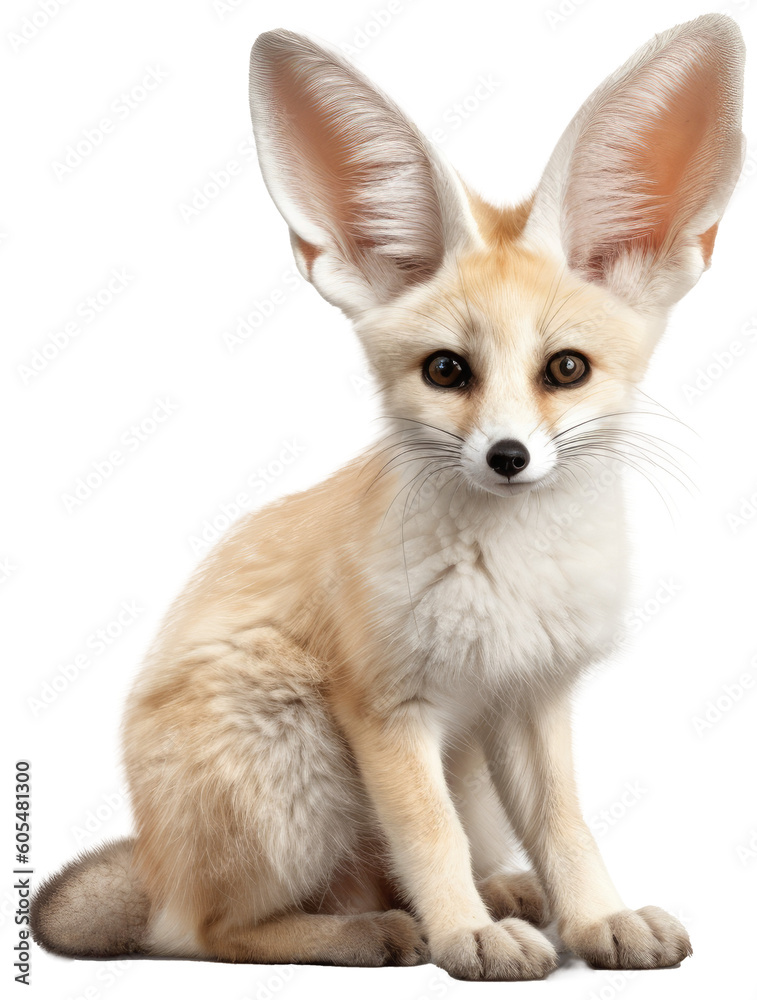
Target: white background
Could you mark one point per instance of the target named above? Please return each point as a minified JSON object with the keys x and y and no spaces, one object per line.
{"x":681,"y":838}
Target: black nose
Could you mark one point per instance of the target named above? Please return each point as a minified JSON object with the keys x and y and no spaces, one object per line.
{"x":508,"y":458}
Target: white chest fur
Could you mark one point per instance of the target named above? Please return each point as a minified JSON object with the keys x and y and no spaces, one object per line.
{"x":504,"y":590}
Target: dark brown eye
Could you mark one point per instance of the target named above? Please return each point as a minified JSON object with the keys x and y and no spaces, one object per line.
{"x":446,"y":370}
{"x":566,"y":368}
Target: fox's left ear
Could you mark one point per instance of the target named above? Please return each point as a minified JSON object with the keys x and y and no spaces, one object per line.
{"x":633,"y":193}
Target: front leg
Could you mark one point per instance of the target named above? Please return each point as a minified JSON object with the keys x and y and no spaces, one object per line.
{"x":399,"y":756}
{"x":530,"y":758}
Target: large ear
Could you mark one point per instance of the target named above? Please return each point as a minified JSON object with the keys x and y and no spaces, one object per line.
{"x":633,"y":194}
{"x":372,"y":207}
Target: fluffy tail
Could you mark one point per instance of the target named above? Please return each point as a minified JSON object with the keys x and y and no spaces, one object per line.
{"x":94,"y":907}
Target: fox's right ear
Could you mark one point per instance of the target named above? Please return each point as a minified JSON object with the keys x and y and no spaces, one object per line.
{"x":371,"y":206}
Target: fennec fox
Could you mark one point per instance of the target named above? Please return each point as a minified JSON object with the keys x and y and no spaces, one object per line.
{"x":361,"y":701}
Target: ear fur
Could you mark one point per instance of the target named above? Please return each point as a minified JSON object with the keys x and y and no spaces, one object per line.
{"x":372,"y":207}
{"x":635,"y":189}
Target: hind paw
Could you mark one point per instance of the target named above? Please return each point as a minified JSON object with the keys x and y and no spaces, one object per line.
{"x":517,"y":894}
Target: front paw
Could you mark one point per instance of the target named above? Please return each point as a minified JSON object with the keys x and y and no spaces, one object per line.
{"x":630,"y":939}
{"x":508,"y":950}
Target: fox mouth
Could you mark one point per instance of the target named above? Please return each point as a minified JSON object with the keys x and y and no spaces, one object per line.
{"x":519,"y":486}
{"x":513,"y":486}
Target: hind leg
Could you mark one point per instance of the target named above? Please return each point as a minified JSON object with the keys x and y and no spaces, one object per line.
{"x":515,"y":894}
{"x":493,"y":844}
{"x":366,"y":939}
{"x":506,"y":891}
{"x":247,"y":805}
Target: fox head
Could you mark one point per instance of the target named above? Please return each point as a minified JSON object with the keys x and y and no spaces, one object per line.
{"x":510,"y":337}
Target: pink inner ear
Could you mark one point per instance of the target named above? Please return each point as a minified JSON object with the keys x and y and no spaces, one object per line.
{"x":661,"y":149}
{"x":674,"y":159}
{"x":355,"y":167}
{"x":316,"y":150}
{"x":308,"y":251}
{"x":707,"y":242}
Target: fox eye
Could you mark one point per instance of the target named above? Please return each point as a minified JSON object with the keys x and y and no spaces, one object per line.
{"x":446,"y":370}
{"x":566,"y":368}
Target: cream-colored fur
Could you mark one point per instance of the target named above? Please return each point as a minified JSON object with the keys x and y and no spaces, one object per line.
{"x":360,"y":706}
